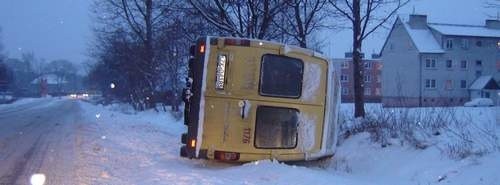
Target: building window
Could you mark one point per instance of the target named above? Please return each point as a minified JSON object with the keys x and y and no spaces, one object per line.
{"x":430,"y":63}
{"x":430,"y":83}
{"x":465,"y":43}
{"x":345,"y":65}
{"x":281,"y":76}
{"x":463,"y":84}
{"x":345,"y":91}
{"x":379,"y":79}
{"x":344,"y":78}
{"x":368,"y":78}
{"x":479,"y":63}
{"x":276,"y":127}
{"x":448,"y":84}
{"x":463,"y":64}
{"x":479,"y":73}
{"x":479,"y":43}
{"x":449,"y":43}
{"x":368,"y":91}
{"x":449,"y":63}
{"x":377,"y":91}
{"x":368,"y":65}
{"x":485,"y":95}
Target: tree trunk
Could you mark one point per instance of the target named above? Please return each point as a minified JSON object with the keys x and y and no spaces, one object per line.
{"x":300,"y":26}
{"x":359,"y":109}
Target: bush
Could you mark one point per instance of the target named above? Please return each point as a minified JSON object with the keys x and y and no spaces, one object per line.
{"x":455,"y":131}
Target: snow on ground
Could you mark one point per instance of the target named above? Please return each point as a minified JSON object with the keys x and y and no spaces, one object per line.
{"x":115,"y":145}
{"x":143,"y":148}
{"x":149,"y":143}
{"x":28,"y":103}
{"x":363,"y":160}
{"x":399,"y":163}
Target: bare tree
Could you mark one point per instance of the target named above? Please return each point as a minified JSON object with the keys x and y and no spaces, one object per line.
{"x":241,"y":18}
{"x":132,"y":29}
{"x":301,"y":18}
{"x":64,"y":70}
{"x":365,"y":16}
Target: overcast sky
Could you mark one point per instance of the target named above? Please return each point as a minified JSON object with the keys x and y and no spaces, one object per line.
{"x":52,"y":29}
{"x":60,"y":29}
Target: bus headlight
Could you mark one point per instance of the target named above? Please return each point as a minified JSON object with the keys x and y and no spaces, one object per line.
{"x":221,"y":72}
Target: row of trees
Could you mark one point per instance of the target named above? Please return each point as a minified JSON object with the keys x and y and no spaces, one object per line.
{"x":141,"y":45}
{"x":18,"y":76}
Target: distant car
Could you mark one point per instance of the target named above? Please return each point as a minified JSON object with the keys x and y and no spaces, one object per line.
{"x":79,"y":96}
{"x":479,"y":102}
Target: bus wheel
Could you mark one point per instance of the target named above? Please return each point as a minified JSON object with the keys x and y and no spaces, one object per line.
{"x":184,"y":138}
{"x":183,"y":151}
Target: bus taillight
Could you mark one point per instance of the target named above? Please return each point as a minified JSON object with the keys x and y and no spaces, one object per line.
{"x":202,"y":48}
{"x":193,"y":143}
{"x":226,"y":156}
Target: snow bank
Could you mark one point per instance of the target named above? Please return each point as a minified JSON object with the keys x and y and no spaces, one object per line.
{"x":143,"y":148}
{"x":362,"y":159}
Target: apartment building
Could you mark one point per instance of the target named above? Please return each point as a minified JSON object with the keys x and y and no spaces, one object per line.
{"x":436,"y":64}
{"x":372,"y":78}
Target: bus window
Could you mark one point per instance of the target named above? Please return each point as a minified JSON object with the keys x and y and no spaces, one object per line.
{"x":281,"y":76}
{"x":276,"y":127}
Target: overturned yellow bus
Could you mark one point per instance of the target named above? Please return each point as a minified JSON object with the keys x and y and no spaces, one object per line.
{"x":249,"y":100}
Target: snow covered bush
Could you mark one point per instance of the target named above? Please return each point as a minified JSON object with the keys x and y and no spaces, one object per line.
{"x":458,"y":132}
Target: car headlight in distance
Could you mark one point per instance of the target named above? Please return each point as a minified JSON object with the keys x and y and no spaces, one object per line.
{"x":221,"y":72}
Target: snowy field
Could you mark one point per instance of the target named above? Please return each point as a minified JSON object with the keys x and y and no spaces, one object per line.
{"x":113,"y":145}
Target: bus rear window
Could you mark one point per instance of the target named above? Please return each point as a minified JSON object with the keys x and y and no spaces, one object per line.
{"x":276,"y":127}
{"x":281,"y":76}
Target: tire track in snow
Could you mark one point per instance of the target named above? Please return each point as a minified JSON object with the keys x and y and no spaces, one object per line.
{"x":19,"y":166}
{"x":47,"y":153}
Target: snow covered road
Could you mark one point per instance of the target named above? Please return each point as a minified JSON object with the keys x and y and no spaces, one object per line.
{"x":38,"y":137}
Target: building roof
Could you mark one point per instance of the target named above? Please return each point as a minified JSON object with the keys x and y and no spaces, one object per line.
{"x":484,"y":82}
{"x":423,"y":40}
{"x":465,"y":30}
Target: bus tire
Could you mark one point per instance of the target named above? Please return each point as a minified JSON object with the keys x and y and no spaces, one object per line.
{"x":184,"y":138}
{"x":183,"y":151}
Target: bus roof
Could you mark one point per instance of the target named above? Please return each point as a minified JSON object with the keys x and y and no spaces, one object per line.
{"x":286,"y":48}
